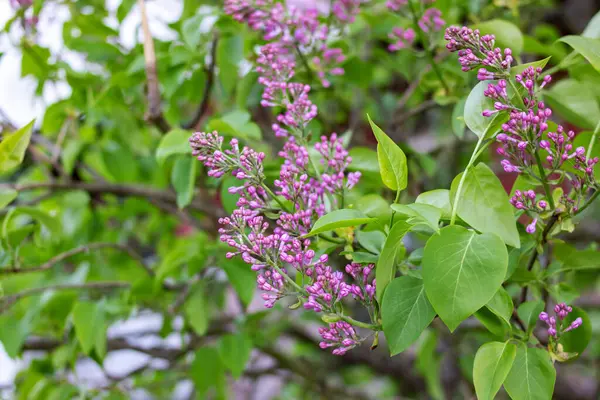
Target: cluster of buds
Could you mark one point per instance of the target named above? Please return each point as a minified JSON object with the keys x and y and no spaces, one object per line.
{"x":428,"y":22}
{"x":340,"y":335}
{"x":477,"y":51}
{"x":295,"y":30}
{"x":556,"y":326}
{"x":526,"y":131}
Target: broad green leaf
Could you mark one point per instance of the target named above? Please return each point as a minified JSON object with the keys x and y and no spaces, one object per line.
{"x":235,"y":352}
{"x":207,"y":371}
{"x":496,"y":325}
{"x":196,"y":311}
{"x":392,"y":161}
{"x":386,"y":266}
{"x":592,"y":30}
{"x":183,"y":179}
{"x":373,"y":205}
{"x":575,"y":102}
{"x":13,"y":332}
{"x":236,"y":123}
{"x":48,"y":222}
{"x":420,"y":213}
{"x":439,"y":198}
{"x":174,"y":142}
{"x":241,"y":277}
{"x":476,"y":103}
{"x":532,"y":375}
{"x":191,"y":32}
{"x":69,"y":154}
{"x":575,"y":259}
{"x":587,"y":47}
{"x":339,"y":219}
{"x":576,"y":341}
{"x":361,"y":257}
{"x":371,"y":241}
{"x":7,"y":195}
{"x":405,"y":312}
{"x":230,"y":51}
{"x":462,"y":271}
{"x":529,"y":313}
{"x":485,"y":206}
{"x":501,"y":305}
{"x":493,"y":362}
{"x":185,"y":250}
{"x":508,"y":35}
{"x":13,"y":147}
{"x":364,"y":159}
{"x":458,"y":119}
{"x":90,"y":327}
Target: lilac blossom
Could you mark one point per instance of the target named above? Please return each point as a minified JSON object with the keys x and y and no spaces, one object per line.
{"x":431,"y":21}
{"x":555,"y":324}
{"x":402,"y":38}
{"x":341,"y":336}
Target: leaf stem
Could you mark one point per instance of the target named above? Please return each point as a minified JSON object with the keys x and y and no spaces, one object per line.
{"x":462,"y":180}
{"x":593,"y":141}
{"x":360,"y":324}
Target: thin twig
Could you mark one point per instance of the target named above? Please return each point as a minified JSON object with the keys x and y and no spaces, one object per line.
{"x":210,"y":78}
{"x":155,"y":114}
{"x":78,"y":250}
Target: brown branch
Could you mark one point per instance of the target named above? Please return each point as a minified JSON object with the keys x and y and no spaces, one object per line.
{"x":123,"y":190}
{"x":155,"y":114}
{"x":78,"y":250}
{"x":210,"y":78}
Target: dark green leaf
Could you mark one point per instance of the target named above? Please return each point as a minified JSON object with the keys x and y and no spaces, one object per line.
{"x":386,"y":266}
{"x":235,"y":352}
{"x":196,"y":311}
{"x":529,"y":313}
{"x":183,"y":178}
{"x":576,"y":340}
{"x":90,"y":327}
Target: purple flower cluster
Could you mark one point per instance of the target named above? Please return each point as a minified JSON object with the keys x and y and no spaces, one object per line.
{"x":555,"y":326}
{"x":340,"y":335}
{"x":526,"y":131}
{"x":296,"y":32}
{"x":429,"y":21}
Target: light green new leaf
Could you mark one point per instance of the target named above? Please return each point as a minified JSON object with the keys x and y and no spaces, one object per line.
{"x":462,"y":271}
{"x":235,"y":352}
{"x":506,"y":33}
{"x":386,"y":266}
{"x":439,"y":198}
{"x":517,"y":69}
{"x":485,"y":206}
{"x":13,"y":332}
{"x":183,"y":178}
{"x":7,"y":195}
{"x":501,"y":305}
{"x":196,"y":311}
{"x":405,"y":312}
{"x":420,"y":213}
{"x":592,"y":30}
{"x":532,"y":375}
{"x":587,"y":47}
{"x":476,"y":103}
{"x":339,"y":219}
{"x":90,"y":327}
{"x":529,"y":313}
{"x":13,"y":147}
{"x":392,"y":160}
{"x":371,"y":241}
{"x":174,"y":142}
{"x":575,"y":102}
{"x":493,"y":362}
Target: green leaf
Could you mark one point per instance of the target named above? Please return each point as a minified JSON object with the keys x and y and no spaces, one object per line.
{"x":439,"y":198}
{"x":371,"y":241}
{"x":496,"y":325}
{"x":7,"y":195}
{"x":48,"y":222}
{"x":476,"y":103}
{"x":235,"y":352}
{"x":183,"y":179}
{"x":339,"y":219}
{"x":458,"y":119}
{"x":529,"y":313}
{"x":405,"y":312}
{"x":13,"y":147}
{"x":207,"y":371}
{"x":576,"y":340}
{"x":485,"y":206}
{"x":230,"y":51}
{"x":13,"y":332}
{"x":420,"y":213}
{"x":575,"y":102}
{"x":587,"y":47}
{"x":501,"y":305}
{"x":462,"y":271}
{"x":575,"y":259}
{"x":507,"y":34}
{"x":236,"y":123}
{"x":386,"y":266}
{"x":90,"y":327}
{"x":196,"y":311}
{"x":532,"y":375}
{"x":241,"y":277}
{"x":174,"y":142}
{"x":124,"y":9}
{"x":361,"y":257}
{"x":190,"y":31}
{"x":592,"y":30}
{"x":373,"y":205}
{"x":429,"y":364}
{"x":392,"y":160}
{"x":493,"y":362}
